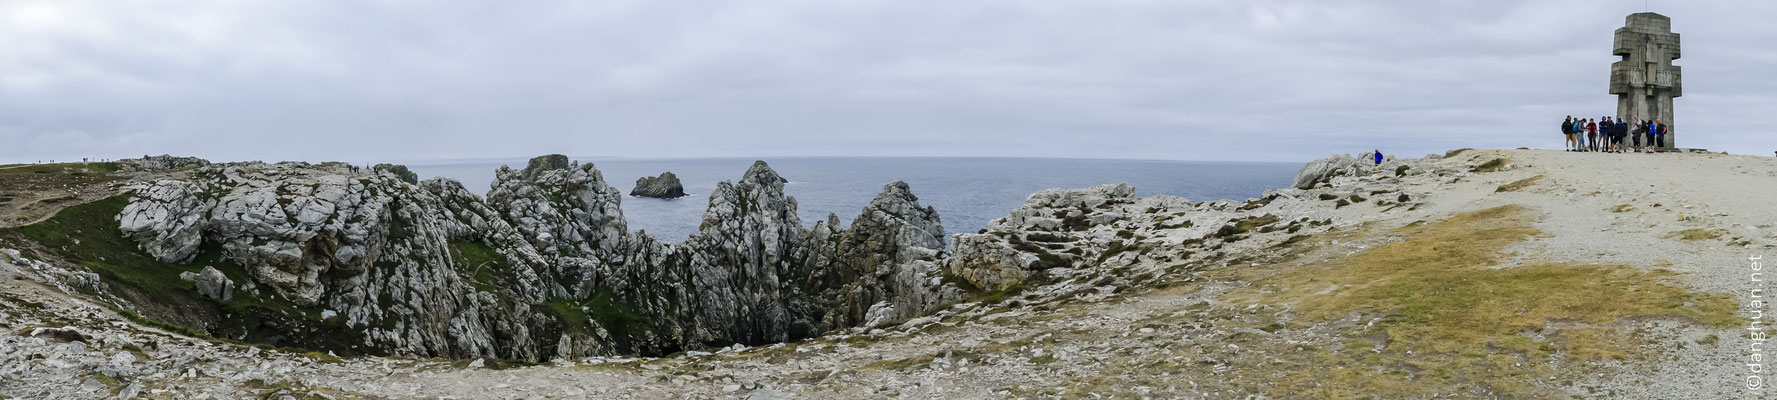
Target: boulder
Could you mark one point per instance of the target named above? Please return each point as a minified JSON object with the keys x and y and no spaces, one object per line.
{"x":211,"y":283}
{"x":665,"y":186}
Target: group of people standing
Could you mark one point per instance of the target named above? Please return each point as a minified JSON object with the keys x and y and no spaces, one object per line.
{"x":1607,"y":135}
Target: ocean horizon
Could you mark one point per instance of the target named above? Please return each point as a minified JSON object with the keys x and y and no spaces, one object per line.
{"x":967,"y":192}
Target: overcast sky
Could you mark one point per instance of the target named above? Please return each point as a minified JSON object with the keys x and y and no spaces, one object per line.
{"x":1184,"y":80}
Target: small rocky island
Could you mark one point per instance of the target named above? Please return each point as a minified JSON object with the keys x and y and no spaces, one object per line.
{"x":665,"y":186}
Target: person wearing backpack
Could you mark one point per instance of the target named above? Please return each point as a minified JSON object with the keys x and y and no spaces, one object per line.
{"x":1567,"y":130}
{"x":1647,"y":129}
{"x":1660,"y":131}
{"x":1591,"y":136}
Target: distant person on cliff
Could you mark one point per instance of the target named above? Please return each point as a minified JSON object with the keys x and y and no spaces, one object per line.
{"x":1609,"y":130}
{"x":1592,"y":131}
{"x":1579,"y":134}
{"x":1378,"y":154}
{"x":1604,"y":134}
{"x":1567,"y":130}
{"x":1634,"y":134}
{"x":1647,"y":130}
{"x":1660,"y":130}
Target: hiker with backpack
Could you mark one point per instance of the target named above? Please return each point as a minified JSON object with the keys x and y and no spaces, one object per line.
{"x":1591,"y":134}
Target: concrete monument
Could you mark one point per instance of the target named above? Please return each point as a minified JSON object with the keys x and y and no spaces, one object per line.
{"x":1645,"y":81}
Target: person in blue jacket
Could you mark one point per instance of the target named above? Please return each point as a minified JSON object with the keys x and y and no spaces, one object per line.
{"x":1378,"y":154}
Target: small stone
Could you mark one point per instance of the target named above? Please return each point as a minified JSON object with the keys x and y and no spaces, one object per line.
{"x":731,"y":388}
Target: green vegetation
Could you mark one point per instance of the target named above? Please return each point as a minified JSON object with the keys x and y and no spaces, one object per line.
{"x":400,"y":171}
{"x":996,"y":296}
{"x":903,"y":364}
{"x":1457,"y":320}
{"x":1518,"y":185}
{"x":1250,"y":223}
{"x":617,"y":317}
{"x":1401,"y":170}
{"x":323,"y":358}
{"x":88,"y":234}
{"x":484,"y":268}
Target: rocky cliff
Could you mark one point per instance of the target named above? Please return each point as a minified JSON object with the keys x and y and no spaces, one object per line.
{"x":543,"y":267}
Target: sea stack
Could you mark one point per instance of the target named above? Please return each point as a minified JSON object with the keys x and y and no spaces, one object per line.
{"x":665,"y":186}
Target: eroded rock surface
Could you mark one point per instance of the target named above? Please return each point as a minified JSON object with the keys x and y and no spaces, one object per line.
{"x":665,"y":186}
{"x":545,"y":267}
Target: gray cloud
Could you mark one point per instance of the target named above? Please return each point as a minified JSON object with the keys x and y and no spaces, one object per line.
{"x":1259,"y":80}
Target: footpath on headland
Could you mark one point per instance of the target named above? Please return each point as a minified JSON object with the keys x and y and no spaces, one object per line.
{"x":1479,"y":273}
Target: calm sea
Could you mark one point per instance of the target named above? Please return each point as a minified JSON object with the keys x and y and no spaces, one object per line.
{"x":968,"y":192}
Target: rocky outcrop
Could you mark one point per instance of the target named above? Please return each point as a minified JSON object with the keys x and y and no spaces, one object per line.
{"x":400,"y":171}
{"x":1036,"y":238}
{"x":885,"y":269}
{"x":164,"y":162}
{"x":1326,"y":168}
{"x":544,"y":267}
{"x":665,"y":186}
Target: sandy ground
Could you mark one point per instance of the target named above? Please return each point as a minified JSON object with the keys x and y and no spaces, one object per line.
{"x":1592,"y":208}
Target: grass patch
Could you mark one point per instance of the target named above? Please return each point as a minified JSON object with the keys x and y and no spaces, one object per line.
{"x":1697,"y":234}
{"x":484,"y":268}
{"x":1494,"y":165}
{"x":903,"y":364}
{"x":1518,"y":185}
{"x":617,"y":317}
{"x":323,"y":358}
{"x":1456,"y":319}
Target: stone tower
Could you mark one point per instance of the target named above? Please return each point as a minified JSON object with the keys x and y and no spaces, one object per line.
{"x":1645,"y":81}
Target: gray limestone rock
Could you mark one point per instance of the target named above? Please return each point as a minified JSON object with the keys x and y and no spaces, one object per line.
{"x":430,"y":269}
{"x":665,"y":186}
{"x":211,"y":283}
{"x":1328,"y":167}
{"x":162,"y":162}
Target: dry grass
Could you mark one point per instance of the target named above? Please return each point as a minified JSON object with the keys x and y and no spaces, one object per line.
{"x":1519,"y":185}
{"x":1494,"y":165}
{"x":1698,"y":234}
{"x":1455,"y":321}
